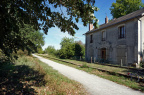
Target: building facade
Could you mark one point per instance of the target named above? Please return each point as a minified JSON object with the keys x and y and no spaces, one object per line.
{"x":120,"y":41}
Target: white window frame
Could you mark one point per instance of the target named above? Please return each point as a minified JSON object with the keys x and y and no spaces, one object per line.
{"x":124,"y":32}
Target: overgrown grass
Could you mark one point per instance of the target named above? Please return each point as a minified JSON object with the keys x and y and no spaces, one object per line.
{"x":115,"y":78}
{"x":104,"y":67}
{"x":30,"y":76}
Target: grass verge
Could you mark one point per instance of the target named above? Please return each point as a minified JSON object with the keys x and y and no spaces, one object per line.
{"x":30,"y":76}
{"x":115,"y":78}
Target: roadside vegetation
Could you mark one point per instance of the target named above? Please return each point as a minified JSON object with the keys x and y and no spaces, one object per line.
{"x":70,"y":49}
{"x":23,"y":25}
{"x":88,"y":67}
{"x":28,"y":75}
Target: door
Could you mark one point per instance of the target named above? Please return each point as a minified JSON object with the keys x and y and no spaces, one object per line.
{"x":103,"y":53}
{"x":121,"y":55}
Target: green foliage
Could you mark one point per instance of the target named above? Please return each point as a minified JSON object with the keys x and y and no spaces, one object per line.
{"x":41,"y":14}
{"x":79,"y":49}
{"x":69,"y":48}
{"x":29,"y":33}
{"x":27,"y":39}
{"x":40,"y":50}
{"x":123,"y":7}
{"x":3,"y":59}
{"x":66,"y":41}
{"x":84,"y":66}
{"x":50,"y":50}
{"x":32,"y":39}
{"x":142,"y":64}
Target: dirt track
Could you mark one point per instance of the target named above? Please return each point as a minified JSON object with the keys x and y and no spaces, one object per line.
{"x":93,"y":84}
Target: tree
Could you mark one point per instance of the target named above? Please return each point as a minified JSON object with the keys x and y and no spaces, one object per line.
{"x":31,"y":38}
{"x":41,"y":15}
{"x":80,"y":42}
{"x":67,"y":48}
{"x":123,"y":7}
{"x":71,"y":48}
{"x":50,"y":50}
{"x":79,"y":49}
{"x":40,"y":50}
{"x":66,"y":41}
{"x":27,"y":39}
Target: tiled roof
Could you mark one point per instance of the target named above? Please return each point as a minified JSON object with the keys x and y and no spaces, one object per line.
{"x":132,"y":15}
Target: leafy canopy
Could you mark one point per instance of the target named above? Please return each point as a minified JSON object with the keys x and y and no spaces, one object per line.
{"x":67,"y":48}
{"x":124,"y":7}
{"x":66,"y":41}
{"x":28,"y":33}
{"x":41,"y":15}
{"x":50,"y":50}
{"x":70,"y":48}
{"x":79,"y":49}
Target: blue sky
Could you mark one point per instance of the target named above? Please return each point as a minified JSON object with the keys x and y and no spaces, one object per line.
{"x":54,"y":35}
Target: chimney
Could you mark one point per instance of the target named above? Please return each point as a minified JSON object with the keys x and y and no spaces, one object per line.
{"x":106,"y":20}
{"x":90,"y":26}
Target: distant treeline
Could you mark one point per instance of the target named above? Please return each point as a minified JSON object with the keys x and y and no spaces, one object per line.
{"x":69,"y":49}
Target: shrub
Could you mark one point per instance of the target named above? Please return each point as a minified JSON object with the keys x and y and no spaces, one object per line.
{"x":84,"y":66}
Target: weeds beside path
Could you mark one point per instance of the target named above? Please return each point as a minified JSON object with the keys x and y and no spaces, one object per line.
{"x":94,"y":84}
{"x":30,"y":76}
{"x":113,"y":77}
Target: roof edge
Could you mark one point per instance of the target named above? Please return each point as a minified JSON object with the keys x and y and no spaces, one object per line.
{"x":94,"y":30}
{"x":114,"y":24}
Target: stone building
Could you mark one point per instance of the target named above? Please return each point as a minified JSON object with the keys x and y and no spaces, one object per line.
{"x":118,"y":41}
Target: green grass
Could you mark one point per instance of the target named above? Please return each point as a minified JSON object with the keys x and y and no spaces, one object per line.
{"x":109,"y":68}
{"x":115,"y":78}
{"x":104,"y":67}
{"x":30,"y":76}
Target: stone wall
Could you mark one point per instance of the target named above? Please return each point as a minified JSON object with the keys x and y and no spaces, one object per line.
{"x":123,"y":50}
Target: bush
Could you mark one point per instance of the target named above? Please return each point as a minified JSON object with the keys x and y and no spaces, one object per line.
{"x":142,"y":64}
{"x":70,"y":49}
{"x":50,"y":50}
{"x":79,"y":50}
{"x":67,"y":51}
{"x":39,"y":50}
{"x":84,"y":66}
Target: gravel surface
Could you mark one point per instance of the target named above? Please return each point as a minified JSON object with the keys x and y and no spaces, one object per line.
{"x":92,"y":83}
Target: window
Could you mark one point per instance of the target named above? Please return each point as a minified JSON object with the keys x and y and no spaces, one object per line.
{"x":91,"y":38}
{"x":103,"y":35}
{"x":121,"y":32}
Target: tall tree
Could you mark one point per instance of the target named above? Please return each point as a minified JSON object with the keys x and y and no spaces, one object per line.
{"x":32,"y":39}
{"x":67,"y":48}
{"x":66,"y":41}
{"x":50,"y":50}
{"x":123,"y":7}
{"x":41,"y":14}
{"x":28,"y":33}
{"x":79,"y":49}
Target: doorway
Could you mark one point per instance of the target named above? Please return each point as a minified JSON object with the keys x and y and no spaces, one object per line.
{"x":103,"y":53}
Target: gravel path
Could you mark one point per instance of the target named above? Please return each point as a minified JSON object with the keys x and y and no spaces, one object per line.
{"x":93,"y":84}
